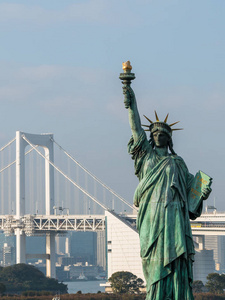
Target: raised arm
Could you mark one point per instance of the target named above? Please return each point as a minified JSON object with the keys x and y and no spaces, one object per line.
{"x":131,"y":105}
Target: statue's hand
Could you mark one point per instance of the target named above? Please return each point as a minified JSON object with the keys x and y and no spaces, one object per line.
{"x":128,"y":95}
{"x":206,"y":193}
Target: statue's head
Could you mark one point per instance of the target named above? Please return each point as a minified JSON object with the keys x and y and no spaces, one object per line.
{"x":161,"y":133}
{"x":160,"y":138}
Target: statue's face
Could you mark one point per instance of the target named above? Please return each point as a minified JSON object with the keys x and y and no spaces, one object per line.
{"x":161,"y":139}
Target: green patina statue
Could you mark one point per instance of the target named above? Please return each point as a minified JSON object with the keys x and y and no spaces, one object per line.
{"x":167,"y":196}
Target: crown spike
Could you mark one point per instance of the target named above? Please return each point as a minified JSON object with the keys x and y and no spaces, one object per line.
{"x":146,"y":129}
{"x":174,"y":123}
{"x":166,"y":118}
{"x":156,"y":116}
{"x":177,"y":129}
{"x":145,"y":125}
{"x":148,"y":119}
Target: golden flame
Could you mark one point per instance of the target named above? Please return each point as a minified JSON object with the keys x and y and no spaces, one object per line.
{"x":126,"y":66}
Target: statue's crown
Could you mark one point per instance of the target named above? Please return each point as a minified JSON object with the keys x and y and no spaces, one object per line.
{"x":161,"y":125}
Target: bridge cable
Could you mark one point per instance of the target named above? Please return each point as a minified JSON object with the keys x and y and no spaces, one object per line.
{"x":94,"y":177}
{"x":61,"y":172}
{"x":12,"y":163}
{"x":7,"y":144}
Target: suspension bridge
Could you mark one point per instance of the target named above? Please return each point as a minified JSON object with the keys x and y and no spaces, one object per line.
{"x":40,"y":196}
{"x":46,"y":191}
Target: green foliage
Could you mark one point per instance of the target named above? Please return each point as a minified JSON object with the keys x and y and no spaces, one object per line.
{"x":216,"y":283}
{"x":37,"y":293}
{"x":2,"y":288}
{"x":197,"y":286}
{"x":125,"y":282}
{"x":22,"y":277}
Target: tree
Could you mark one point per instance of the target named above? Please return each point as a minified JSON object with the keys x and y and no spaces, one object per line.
{"x":215,"y":283}
{"x":22,"y":277}
{"x":125,"y":282}
{"x":197,"y":286}
{"x":2,"y":288}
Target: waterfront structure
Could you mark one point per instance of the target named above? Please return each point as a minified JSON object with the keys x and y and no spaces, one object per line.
{"x":123,"y":247}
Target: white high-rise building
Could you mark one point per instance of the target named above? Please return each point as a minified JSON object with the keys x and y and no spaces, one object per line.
{"x":123,"y":246}
{"x":123,"y":250}
{"x":8,"y":253}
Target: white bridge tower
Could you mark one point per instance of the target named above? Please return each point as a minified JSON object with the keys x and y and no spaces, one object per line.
{"x":45,"y":141}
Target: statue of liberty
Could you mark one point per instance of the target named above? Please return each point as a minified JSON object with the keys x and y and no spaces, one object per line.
{"x":167,"y":197}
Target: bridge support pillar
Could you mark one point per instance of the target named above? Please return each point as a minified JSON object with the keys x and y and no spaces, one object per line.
{"x":50,"y":249}
{"x":20,"y":247}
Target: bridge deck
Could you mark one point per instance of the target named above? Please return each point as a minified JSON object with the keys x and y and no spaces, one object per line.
{"x":34,"y":224}
{"x":207,"y":224}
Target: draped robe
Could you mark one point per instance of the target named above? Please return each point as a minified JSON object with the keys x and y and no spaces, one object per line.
{"x":166,"y":243}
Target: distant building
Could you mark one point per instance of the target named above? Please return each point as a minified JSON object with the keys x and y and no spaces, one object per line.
{"x":203,"y":265}
{"x":8,"y":253}
{"x":217,"y":244}
{"x":123,"y":246}
{"x":60,"y":242}
{"x":66,"y":261}
{"x":101,"y":249}
{"x":10,"y":241}
{"x":83,"y":247}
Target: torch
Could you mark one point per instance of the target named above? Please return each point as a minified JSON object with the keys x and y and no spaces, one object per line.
{"x":126,"y":78}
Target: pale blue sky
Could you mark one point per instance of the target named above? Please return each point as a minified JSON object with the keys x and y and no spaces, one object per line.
{"x":60,"y":62}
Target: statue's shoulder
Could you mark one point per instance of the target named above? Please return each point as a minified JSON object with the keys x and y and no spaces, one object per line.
{"x":177,"y":157}
{"x":180,"y":163}
{"x":179,"y":160}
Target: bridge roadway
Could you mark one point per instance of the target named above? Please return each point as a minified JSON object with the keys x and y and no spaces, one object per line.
{"x":208,"y":224}
{"x":40,"y":224}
